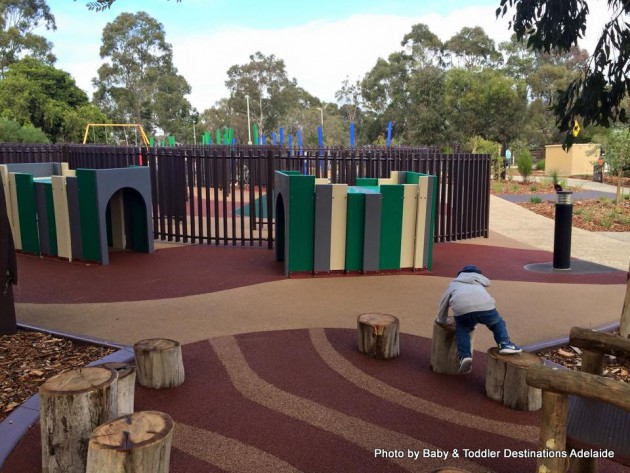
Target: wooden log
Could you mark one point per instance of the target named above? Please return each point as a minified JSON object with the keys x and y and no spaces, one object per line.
{"x":581,"y":384}
{"x":624,"y":325}
{"x":592,"y":362}
{"x":599,"y":342}
{"x":159,"y":363}
{"x":378,"y":335}
{"x":126,"y":385}
{"x":444,"y":357}
{"x":135,"y":443}
{"x":449,"y":469}
{"x":72,"y":405}
{"x":553,"y":433}
{"x":506,"y":380}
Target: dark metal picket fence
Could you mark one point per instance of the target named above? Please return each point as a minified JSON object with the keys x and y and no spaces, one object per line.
{"x":223,"y":194}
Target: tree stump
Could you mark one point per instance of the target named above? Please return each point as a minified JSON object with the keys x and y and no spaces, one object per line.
{"x":159,"y":363}
{"x":378,"y":335}
{"x":135,"y":443}
{"x":444,"y":357}
{"x":505,"y":380}
{"x":126,"y":385}
{"x":72,"y":405}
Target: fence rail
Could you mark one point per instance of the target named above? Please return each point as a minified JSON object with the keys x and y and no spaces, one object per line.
{"x":222,"y":195}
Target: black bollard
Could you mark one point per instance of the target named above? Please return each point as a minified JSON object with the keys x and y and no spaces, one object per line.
{"x":562,"y":231}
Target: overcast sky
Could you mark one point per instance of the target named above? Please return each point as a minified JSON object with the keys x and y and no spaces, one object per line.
{"x":321,"y":42}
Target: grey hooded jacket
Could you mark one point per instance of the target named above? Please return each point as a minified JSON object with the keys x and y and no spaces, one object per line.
{"x":466,"y":293}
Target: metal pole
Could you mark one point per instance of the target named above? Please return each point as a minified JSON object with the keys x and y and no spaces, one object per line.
{"x":562,"y":231}
{"x":249,"y":127}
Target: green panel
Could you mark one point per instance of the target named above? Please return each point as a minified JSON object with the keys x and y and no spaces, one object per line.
{"x":391,"y":225}
{"x":367,"y":181}
{"x":354,"y":231}
{"x":139,"y":229}
{"x":88,"y":209}
{"x":301,"y":222}
{"x":27,"y":210}
{"x":52,"y":223}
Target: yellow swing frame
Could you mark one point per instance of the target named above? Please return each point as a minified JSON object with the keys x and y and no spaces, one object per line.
{"x":145,"y":140}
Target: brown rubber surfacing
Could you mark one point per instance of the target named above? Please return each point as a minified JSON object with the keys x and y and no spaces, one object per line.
{"x":210,"y":405}
{"x":199,"y":269}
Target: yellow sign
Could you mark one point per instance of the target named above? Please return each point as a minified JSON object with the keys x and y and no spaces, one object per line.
{"x":576,"y":128}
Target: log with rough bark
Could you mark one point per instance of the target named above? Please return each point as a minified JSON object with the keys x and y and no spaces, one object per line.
{"x":506,"y":380}
{"x":72,"y":405}
{"x":599,"y":342}
{"x":378,"y":335}
{"x":135,"y":443}
{"x":553,"y":433}
{"x":126,"y":385}
{"x":159,"y":363}
{"x":444,"y":357}
{"x":624,"y":326}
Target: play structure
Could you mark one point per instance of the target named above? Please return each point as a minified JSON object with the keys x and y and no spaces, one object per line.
{"x":78,"y":214}
{"x":378,"y":225}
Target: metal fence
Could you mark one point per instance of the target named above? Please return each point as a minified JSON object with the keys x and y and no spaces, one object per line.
{"x":223,"y":194}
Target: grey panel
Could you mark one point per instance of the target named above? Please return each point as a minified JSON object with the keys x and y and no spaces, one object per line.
{"x":402,"y":177}
{"x":74,"y":216}
{"x":323,"y":227}
{"x":36,"y":169}
{"x":282,"y":192}
{"x":42,"y":218}
{"x":108,"y":182}
{"x":372,"y":233}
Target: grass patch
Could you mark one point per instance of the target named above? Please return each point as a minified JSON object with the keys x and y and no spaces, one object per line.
{"x":534,"y":199}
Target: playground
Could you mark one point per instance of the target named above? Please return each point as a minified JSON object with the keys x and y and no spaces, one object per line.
{"x":274,"y":381}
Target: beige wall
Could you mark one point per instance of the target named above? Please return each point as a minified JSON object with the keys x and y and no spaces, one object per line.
{"x":578,"y":160}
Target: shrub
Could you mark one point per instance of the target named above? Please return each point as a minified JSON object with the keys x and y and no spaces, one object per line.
{"x":540,"y":165}
{"x":535,"y":199}
{"x":524,"y":164}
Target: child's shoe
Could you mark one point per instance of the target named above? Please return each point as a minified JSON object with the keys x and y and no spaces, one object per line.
{"x":465,"y":365}
{"x":509,"y":348}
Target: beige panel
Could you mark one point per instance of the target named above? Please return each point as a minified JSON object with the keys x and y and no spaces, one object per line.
{"x":408,"y":239}
{"x":117,"y":209}
{"x":322,"y":180}
{"x":62,"y":217}
{"x":65,"y":167}
{"x":4,"y":174}
{"x":339,"y":221}
{"x":387,"y":180}
{"x":579,"y":160}
{"x":421,"y":223}
{"x":17,"y":235}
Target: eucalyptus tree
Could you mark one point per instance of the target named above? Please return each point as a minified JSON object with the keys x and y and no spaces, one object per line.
{"x":471,"y":48}
{"x":19,"y":19}
{"x":138,"y":83}
{"x":596,"y":95}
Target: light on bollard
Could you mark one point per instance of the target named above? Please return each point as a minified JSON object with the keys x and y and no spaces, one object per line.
{"x":562,"y":231}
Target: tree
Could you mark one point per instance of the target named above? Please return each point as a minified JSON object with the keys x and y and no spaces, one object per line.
{"x":48,"y":98}
{"x":271,"y":93}
{"x":12,"y":132}
{"x":18,"y":20}
{"x":616,"y":146}
{"x":473,"y":48}
{"x":596,"y":95}
{"x":139,"y":83}
{"x":423,"y":46}
{"x":100,"y":5}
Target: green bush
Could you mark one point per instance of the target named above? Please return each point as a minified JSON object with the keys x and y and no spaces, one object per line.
{"x":525,"y":164}
{"x":12,"y":132}
{"x":535,"y":199}
{"x":540,"y":165}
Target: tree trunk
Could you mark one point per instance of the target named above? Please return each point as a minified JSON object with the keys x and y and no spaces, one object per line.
{"x":553,"y":432}
{"x":135,"y":443}
{"x":159,"y":363}
{"x":126,"y":385}
{"x":72,"y":405}
{"x":624,"y":327}
{"x":444,"y":357}
{"x":378,"y":335}
{"x":505,"y":380}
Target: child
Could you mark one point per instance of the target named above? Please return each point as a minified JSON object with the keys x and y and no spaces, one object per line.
{"x":472,"y":305}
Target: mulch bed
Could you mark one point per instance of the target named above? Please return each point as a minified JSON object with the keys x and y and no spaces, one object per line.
{"x":28,"y":359}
